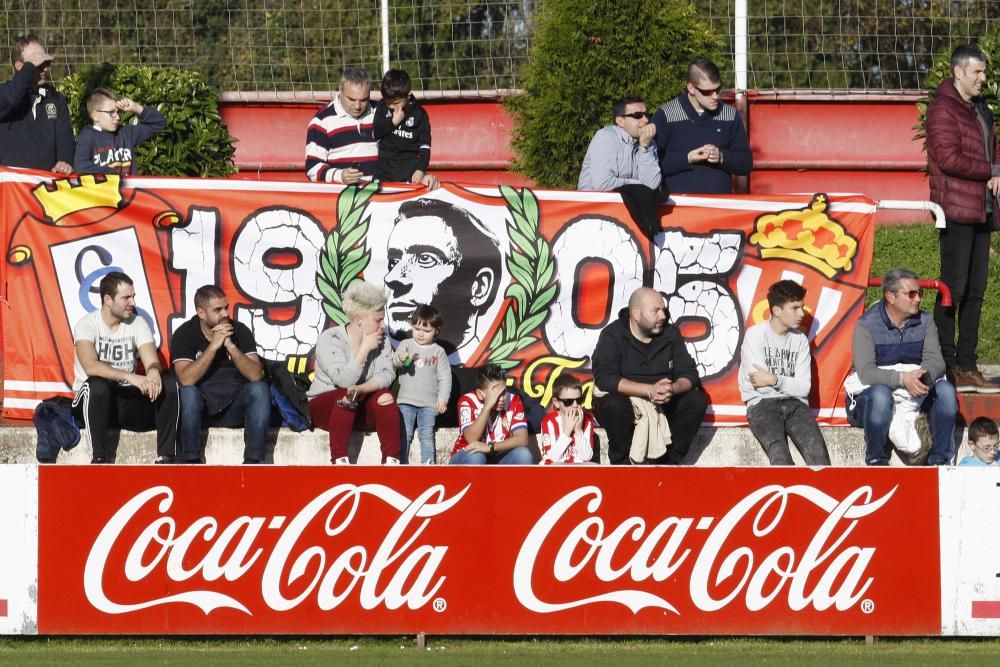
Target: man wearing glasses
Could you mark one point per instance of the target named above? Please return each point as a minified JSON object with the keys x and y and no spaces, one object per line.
{"x":701,"y":139}
{"x":35,"y":130}
{"x":897,"y":359}
{"x":623,"y":153}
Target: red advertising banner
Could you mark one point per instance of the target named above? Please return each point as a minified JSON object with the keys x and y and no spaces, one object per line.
{"x":373,"y":550}
{"x":527,"y":279}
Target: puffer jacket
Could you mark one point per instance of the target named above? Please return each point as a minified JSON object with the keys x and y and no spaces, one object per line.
{"x":956,"y":155}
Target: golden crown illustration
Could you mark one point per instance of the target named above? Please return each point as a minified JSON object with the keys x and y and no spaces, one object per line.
{"x":806,"y":235}
{"x":63,"y":197}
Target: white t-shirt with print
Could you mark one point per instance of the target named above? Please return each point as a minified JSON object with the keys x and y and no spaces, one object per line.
{"x":119,"y":348}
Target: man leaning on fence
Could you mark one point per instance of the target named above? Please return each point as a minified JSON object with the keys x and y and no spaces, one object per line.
{"x":701,"y":139}
{"x":965,"y":180}
{"x":340,"y":141}
{"x":899,"y":373}
{"x":35,"y":130}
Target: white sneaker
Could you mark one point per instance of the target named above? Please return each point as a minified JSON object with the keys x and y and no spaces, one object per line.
{"x":342,"y":461}
{"x":391,"y":461}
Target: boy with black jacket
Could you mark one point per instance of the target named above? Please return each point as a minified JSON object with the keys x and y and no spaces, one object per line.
{"x":403,"y":131}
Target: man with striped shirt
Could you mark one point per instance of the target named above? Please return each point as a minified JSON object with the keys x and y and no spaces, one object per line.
{"x":340,"y":145}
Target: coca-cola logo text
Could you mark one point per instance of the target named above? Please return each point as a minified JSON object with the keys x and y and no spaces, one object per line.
{"x":827,"y":572}
{"x":398,"y":572}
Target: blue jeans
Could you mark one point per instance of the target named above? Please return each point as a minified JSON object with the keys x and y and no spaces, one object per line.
{"x":873,"y":409}
{"x":424,"y":419}
{"x":519,"y":456}
{"x":251,"y":409}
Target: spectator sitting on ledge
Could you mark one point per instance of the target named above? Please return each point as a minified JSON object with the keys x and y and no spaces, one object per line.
{"x":353,"y":374}
{"x":492,"y":423}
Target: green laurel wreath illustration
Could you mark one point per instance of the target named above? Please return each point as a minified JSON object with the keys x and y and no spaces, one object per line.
{"x":345,"y":254}
{"x":533,"y":285}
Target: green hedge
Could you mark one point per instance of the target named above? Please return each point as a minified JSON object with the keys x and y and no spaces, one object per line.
{"x":586,"y":55}
{"x":195,"y":142}
{"x":942,"y":70}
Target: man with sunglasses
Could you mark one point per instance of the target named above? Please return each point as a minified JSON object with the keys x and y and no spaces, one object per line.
{"x":897,"y":359}
{"x":701,"y":139}
{"x":35,"y":130}
{"x":964,"y":170}
{"x":623,"y":153}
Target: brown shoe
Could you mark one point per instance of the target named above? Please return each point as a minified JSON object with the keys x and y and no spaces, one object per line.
{"x":967,"y":381}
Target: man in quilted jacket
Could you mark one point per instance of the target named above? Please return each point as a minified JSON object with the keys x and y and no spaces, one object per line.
{"x":965,"y":181}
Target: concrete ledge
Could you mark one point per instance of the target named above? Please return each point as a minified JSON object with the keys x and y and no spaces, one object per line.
{"x":713,"y":447}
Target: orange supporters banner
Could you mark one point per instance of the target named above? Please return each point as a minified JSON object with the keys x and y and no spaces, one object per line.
{"x":524,"y":278}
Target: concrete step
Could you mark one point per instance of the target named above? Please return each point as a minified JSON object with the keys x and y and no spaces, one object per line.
{"x":713,"y":447}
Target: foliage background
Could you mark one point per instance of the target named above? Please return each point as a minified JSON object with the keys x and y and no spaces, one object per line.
{"x":195,"y":141}
{"x":480,"y":45}
{"x":583,"y":58}
{"x":916,"y":248}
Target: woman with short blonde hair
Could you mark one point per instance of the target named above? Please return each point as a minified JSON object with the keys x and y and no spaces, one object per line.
{"x":353,"y":374}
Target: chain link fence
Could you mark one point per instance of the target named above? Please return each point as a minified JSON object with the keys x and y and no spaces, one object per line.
{"x":300,"y":46}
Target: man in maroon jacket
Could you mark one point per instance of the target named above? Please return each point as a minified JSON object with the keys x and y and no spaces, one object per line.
{"x":965,"y":181}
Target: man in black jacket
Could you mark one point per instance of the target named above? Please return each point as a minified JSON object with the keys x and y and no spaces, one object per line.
{"x":35,"y":130}
{"x":643,"y":356}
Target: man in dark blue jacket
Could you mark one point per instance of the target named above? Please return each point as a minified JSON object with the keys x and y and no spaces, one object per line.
{"x":701,"y":139}
{"x":35,"y":130}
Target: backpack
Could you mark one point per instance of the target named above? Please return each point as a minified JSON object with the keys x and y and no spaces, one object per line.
{"x":288,"y":394}
{"x":56,"y":428}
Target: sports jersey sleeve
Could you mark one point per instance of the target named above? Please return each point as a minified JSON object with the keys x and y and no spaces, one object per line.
{"x":549,"y":444}
{"x":424,"y":137}
{"x":466,"y":413}
{"x":516,"y":413}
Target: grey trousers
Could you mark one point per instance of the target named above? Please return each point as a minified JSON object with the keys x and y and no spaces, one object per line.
{"x":774,"y":420}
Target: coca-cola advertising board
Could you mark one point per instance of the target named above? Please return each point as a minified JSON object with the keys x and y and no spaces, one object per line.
{"x":18,"y":549}
{"x":970,"y":551}
{"x":570,"y":550}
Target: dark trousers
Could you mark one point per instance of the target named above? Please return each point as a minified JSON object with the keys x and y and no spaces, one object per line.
{"x":965,"y":253}
{"x":103,"y":405}
{"x":684,"y":414}
{"x":774,"y":420}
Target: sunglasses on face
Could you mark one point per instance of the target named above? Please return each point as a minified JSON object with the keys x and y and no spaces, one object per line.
{"x":572,"y":401}
{"x":708,"y":92}
{"x":636,"y":114}
{"x":911,"y":294}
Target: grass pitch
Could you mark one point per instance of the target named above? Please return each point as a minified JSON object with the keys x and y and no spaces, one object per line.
{"x":536,"y":653}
